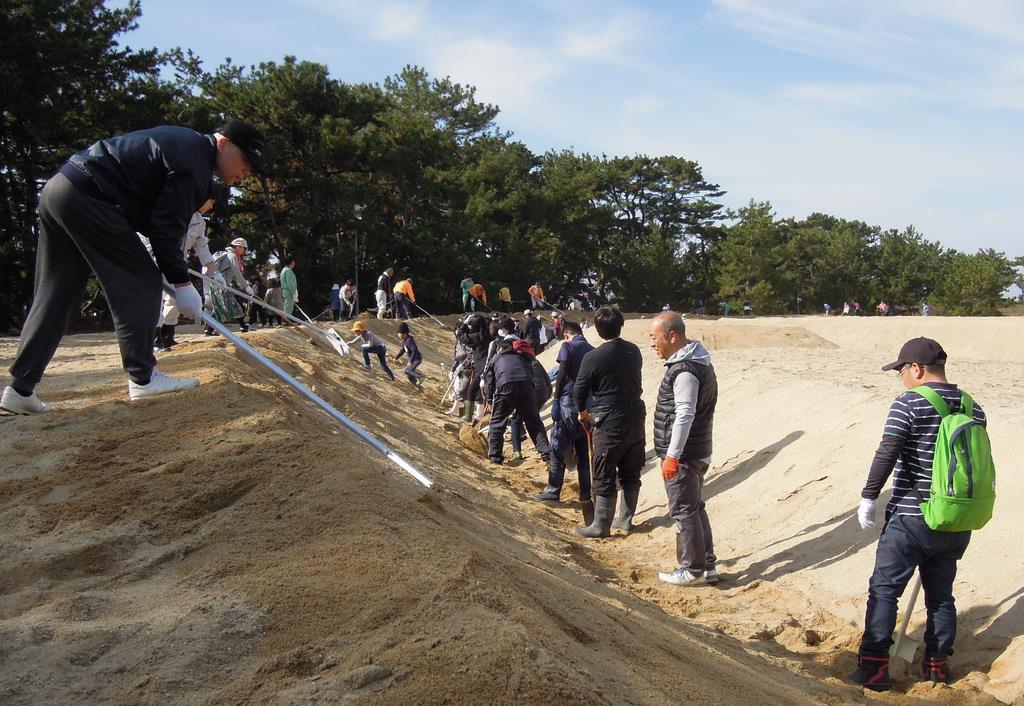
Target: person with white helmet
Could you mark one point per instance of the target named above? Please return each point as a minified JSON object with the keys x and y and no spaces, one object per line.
{"x":227,"y":270}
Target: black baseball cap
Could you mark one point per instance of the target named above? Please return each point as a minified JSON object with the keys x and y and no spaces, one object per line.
{"x":923,"y":351}
{"x":248,"y":139}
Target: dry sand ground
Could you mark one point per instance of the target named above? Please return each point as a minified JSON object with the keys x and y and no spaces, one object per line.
{"x":230,"y":545}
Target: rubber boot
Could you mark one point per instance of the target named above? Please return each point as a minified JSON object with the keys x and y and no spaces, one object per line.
{"x":242,"y":327}
{"x":872,"y":672}
{"x":159,"y":344}
{"x":556,"y":475}
{"x":624,"y":522}
{"x":468,"y":411}
{"x":168,"y":330}
{"x":935,"y":668}
{"x":604,"y":512}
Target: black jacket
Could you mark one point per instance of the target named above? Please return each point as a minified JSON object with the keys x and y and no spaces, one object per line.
{"x":507,"y":367}
{"x":698,"y":443}
{"x":159,"y":177}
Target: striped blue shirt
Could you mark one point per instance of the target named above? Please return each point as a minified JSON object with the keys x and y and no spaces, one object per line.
{"x":911,"y":429}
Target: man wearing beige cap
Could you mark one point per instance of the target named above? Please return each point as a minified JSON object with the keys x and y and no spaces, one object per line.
{"x":149,"y":182}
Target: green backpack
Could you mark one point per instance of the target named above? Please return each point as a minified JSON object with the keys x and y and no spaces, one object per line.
{"x":963,"y":474}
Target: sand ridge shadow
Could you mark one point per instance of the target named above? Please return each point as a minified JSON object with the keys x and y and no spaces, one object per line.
{"x":726,"y":480}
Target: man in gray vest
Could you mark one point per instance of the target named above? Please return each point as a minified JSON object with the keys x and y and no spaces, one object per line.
{"x":683,"y":419}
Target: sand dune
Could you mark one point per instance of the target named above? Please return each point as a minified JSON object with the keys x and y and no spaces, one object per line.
{"x":230,"y":545}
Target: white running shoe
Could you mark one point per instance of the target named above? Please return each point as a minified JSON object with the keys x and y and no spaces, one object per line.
{"x":159,"y":384}
{"x":680,"y":577}
{"x":16,"y":403}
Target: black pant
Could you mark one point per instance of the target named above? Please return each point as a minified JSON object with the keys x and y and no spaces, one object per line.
{"x":618,"y":452}
{"x":79,"y":234}
{"x":381,"y":356}
{"x":403,"y":306}
{"x":516,"y":397}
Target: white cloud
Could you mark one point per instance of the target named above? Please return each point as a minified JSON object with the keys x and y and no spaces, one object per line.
{"x":385,"y":20}
{"x":600,"y":44}
{"x":510,"y":75}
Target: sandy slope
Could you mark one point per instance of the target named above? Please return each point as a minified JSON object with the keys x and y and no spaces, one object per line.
{"x":229,"y":545}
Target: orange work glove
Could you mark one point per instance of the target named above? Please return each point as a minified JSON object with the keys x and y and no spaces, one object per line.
{"x":669,"y":468}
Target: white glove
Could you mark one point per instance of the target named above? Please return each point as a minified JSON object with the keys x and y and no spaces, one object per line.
{"x":189,"y":302}
{"x":219,"y":279}
{"x":866,"y":513}
{"x":296,"y":297}
{"x":248,"y":289}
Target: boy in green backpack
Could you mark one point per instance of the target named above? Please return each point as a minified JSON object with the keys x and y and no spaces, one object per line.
{"x":908,"y":543}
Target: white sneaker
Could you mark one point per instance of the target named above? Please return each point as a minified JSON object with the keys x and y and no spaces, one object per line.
{"x":159,"y":384}
{"x":680,"y":577}
{"x":15,"y":403}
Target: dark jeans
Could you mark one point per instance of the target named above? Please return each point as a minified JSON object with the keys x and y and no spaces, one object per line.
{"x":403,"y":306}
{"x":556,"y":468}
{"x":695,"y":547}
{"x":906,"y":545}
{"x":516,"y":397}
{"x":618,"y":453}
{"x":381,"y":356}
{"x":518,"y":433}
{"x":79,"y":234}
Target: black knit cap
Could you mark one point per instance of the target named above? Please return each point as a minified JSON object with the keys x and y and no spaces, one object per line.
{"x":923,"y":351}
{"x":248,"y":139}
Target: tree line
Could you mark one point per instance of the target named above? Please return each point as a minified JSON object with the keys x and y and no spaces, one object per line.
{"x":414,"y":172}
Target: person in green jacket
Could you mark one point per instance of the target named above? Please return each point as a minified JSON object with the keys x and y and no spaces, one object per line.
{"x":289,"y":285}
{"x":467,"y":299}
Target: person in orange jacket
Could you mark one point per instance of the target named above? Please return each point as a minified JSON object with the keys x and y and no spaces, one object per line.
{"x":478,"y":293}
{"x":404,"y":299}
{"x":536,"y":296}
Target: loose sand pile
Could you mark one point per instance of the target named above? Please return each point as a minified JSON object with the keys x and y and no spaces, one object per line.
{"x":229,"y":544}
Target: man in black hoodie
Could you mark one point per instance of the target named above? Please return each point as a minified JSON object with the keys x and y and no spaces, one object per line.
{"x":611,"y":373}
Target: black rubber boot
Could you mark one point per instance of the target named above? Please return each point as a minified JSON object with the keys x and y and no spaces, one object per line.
{"x":158,"y":340}
{"x":242,"y":327}
{"x":872,"y":672}
{"x":604,"y":512}
{"x":624,"y":522}
{"x":168,"y":330}
{"x":935,"y":668}
{"x":556,"y":476}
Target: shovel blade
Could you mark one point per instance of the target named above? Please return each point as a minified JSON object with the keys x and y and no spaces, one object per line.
{"x":905,"y":649}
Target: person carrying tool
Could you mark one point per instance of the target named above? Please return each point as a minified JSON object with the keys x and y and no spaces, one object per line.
{"x":347,"y":298}
{"x":683,"y":420}
{"x":227,"y":271}
{"x":149,"y":182}
{"x":404,"y":299}
{"x":536,"y":296}
{"x":908,"y":543}
{"x":566,"y":432}
{"x":383,"y":294}
{"x":611,"y":374}
{"x":467,"y":299}
{"x":412,"y":363}
{"x":478,"y":294}
{"x":505,"y":300}
{"x":510,"y":378}
{"x":369,"y":342}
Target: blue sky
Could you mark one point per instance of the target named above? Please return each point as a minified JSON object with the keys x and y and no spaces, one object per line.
{"x":895,"y":112}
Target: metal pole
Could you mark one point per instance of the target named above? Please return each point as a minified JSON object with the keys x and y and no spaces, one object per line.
{"x":313,"y":397}
{"x":430,"y":315}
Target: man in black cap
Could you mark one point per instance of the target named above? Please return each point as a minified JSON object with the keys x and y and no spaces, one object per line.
{"x":149,"y":182}
{"x":907,"y":543}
